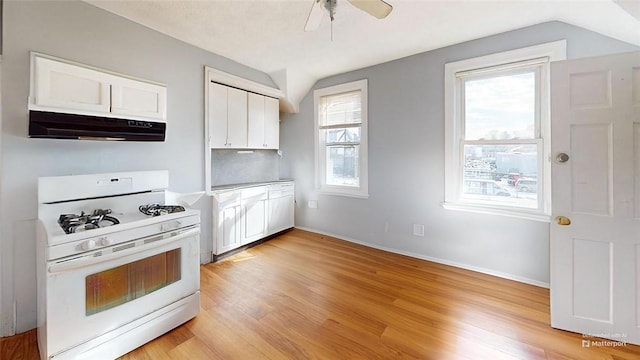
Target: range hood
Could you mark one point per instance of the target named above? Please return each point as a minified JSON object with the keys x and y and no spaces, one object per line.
{"x":44,"y":124}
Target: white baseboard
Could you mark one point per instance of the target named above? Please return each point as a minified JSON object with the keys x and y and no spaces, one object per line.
{"x":482,"y":270}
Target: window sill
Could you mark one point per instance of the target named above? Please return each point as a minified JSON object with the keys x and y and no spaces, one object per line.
{"x":357,"y":195}
{"x":515,"y":213}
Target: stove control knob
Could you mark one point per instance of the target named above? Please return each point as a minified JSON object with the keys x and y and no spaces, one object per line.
{"x":105,"y":241}
{"x":88,"y":245}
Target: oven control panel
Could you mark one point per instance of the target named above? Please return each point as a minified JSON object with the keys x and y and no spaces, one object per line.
{"x":127,"y":234}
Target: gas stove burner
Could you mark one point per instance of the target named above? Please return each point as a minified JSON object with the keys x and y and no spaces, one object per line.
{"x":72,"y":223}
{"x":157,"y":209}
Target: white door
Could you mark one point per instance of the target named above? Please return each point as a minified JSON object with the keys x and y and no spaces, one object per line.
{"x":595,"y":260}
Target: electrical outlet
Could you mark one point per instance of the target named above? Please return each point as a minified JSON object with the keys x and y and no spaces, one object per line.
{"x":386,"y":227}
{"x":313,"y":204}
{"x":418,"y":229}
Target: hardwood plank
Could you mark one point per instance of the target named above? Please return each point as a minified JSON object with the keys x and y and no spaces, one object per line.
{"x":309,"y":296}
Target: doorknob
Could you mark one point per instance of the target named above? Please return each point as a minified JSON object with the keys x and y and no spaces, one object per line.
{"x":562,"y":158}
{"x":563,"y":220}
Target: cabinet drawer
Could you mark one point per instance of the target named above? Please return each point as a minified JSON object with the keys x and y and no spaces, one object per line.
{"x":254,"y":192}
{"x":226,"y":198}
{"x":280,"y":190}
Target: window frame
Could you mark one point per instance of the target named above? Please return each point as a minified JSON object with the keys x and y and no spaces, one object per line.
{"x":499,"y":63}
{"x":361,"y":191}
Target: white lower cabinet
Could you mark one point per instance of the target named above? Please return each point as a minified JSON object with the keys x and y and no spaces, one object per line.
{"x":254,"y":214}
{"x":242,"y":216}
{"x":281,"y":207}
{"x":227,"y":214}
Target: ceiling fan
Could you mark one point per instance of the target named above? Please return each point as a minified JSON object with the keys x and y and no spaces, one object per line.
{"x":375,"y":8}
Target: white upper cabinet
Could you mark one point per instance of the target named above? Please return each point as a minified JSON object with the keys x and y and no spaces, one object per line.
{"x":256,"y":121}
{"x":217,"y":116}
{"x":263,"y":122}
{"x":61,"y":86}
{"x":271,"y":123}
{"x":227,"y":117}
{"x":236,"y":118}
{"x":239,"y":119}
{"x":131,"y":97}
{"x":65,"y":86}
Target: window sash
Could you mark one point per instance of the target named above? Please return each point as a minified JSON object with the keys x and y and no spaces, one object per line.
{"x":462,"y":198}
{"x":353,"y":117}
{"x":351,"y":103}
{"x":495,"y":72}
{"x":454,"y":71}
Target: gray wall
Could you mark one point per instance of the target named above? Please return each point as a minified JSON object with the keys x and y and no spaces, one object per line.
{"x":80,"y":32}
{"x":406,"y":163}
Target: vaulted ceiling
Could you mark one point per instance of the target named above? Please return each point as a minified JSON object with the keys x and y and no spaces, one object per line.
{"x":269,"y":35}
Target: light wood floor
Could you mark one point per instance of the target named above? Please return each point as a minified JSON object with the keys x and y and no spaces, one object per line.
{"x":307,"y":296}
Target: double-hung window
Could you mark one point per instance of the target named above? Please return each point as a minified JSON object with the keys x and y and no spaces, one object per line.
{"x":341,"y":139}
{"x":497,"y":132}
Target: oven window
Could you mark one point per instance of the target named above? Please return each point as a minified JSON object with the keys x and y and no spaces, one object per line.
{"x":113,"y":287}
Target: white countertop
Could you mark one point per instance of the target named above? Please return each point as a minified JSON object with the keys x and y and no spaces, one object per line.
{"x":228,"y":187}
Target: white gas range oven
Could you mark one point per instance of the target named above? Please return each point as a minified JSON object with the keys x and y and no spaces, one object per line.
{"x":116,"y":266}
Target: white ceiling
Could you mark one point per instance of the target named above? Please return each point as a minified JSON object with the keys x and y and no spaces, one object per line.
{"x":268,"y":35}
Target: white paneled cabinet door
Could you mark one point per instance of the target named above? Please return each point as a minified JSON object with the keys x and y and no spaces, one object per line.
{"x":281,"y":207}
{"x":263,"y":122}
{"x":71,"y":87}
{"x":229,"y":230}
{"x":138,"y":98}
{"x":595,"y":229}
{"x":255,"y":120}
{"x":271,"y":123}
{"x":236,"y":118}
{"x":217,"y":116}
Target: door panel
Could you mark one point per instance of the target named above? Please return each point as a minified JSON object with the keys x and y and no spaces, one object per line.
{"x":591,"y":169}
{"x":595,"y":260}
{"x":590,"y":90}
{"x":592,"y":279}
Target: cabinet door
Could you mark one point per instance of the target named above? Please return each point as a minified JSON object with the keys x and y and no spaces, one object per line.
{"x":138,"y":98}
{"x":256,"y":121}
{"x":217,"y":116}
{"x":254,"y":220}
{"x":236,"y":118}
{"x":271,"y":123}
{"x":228,"y":234}
{"x":70,"y":87}
{"x":281,"y":213}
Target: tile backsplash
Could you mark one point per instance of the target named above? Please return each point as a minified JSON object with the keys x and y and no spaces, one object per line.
{"x":244,"y":166}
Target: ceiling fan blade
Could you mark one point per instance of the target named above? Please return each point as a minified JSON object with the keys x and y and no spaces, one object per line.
{"x":315,"y":15}
{"x":376,"y":8}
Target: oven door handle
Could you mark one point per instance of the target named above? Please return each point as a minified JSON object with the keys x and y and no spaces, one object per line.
{"x":140,"y":245}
